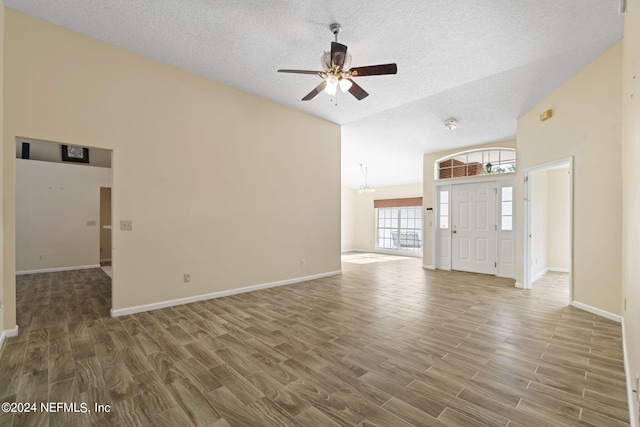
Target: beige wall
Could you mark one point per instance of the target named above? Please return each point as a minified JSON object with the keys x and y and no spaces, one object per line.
{"x":365,"y":215}
{"x":348,"y":218}
{"x":539,"y":222}
{"x":3,"y":295}
{"x":427,"y":185}
{"x":216,"y":181}
{"x":630,"y":189}
{"x":54,"y":203}
{"x":559,"y":220}
{"x":586,"y":124}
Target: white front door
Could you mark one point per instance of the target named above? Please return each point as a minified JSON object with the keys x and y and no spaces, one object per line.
{"x":473,"y":227}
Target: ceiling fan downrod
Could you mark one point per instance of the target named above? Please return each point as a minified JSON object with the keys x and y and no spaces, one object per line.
{"x":335,"y":29}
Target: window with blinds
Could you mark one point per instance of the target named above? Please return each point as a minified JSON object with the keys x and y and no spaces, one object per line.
{"x":399,"y":224}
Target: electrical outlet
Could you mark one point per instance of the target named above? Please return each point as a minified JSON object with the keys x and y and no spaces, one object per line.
{"x":187,"y":278}
{"x":302,"y":262}
{"x":126,"y":225}
{"x":41,"y":257}
{"x":91,"y":223}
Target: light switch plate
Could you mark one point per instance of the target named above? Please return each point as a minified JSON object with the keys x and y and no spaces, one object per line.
{"x":91,"y":223}
{"x":126,"y":225}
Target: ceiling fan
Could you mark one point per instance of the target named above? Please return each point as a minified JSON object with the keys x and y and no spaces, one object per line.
{"x":336,"y":71}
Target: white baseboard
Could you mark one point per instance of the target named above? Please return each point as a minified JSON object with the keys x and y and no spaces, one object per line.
{"x":7,"y":334}
{"x":106,"y":260}
{"x":519,"y":285}
{"x":390,"y":252}
{"x":196,"y":298}
{"x":428,"y":267}
{"x":51,"y":270}
{"x":362,"y":250}
{"x":539,"y":275}
{"x":558,"y":270}
{"x":596,"y":311}
{"x":633,"y":417}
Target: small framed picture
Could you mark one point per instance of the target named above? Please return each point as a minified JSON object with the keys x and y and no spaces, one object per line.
{"x":74,"y":153}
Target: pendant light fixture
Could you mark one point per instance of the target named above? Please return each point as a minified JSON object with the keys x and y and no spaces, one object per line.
{"x":451,"y":123}
{"x":365,"y":189}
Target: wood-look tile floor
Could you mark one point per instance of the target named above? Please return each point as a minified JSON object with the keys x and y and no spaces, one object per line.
{"x":384,"y":344}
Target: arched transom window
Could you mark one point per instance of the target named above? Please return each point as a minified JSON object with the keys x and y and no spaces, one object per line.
{"x":476,"y":162}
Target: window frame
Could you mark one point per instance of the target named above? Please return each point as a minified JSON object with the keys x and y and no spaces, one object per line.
{"x":502,"y":202}
{"x":468,"y":168}
{"x":401,"y":214}
{"x":444,"y":208}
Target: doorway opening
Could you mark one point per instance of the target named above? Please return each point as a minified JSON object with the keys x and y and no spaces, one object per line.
{"x":474,"y":225}
{"x":59,"y":224}
{"x":548,"y":223}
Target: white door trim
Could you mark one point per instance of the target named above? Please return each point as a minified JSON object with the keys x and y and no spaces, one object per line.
{"x":526,"y":242}
{"x":446,"y":184}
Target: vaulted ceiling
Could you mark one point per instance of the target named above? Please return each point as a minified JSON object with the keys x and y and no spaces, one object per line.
{"x":483,"y":63}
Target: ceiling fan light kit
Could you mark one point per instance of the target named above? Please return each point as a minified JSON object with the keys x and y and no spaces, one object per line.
{"x":345,"y":85}
{"x":337,"y":71}
{"x":331,"y":84}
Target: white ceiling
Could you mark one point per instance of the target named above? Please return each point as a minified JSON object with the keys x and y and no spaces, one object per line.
{"x":484,"y":63}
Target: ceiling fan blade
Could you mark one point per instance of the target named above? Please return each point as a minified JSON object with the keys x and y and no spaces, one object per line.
{"x":301,"y":72}
{"x":338,"y":54}
{"x":315,"y":91}
{"x":357,"y":91}
{"x":374,"y":70}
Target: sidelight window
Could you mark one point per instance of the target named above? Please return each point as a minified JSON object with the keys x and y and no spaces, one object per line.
{"x":506,"y":209}
{"x":443,"y":211}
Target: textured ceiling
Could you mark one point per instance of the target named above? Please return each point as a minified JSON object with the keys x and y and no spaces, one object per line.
{"x":484,"y":63}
